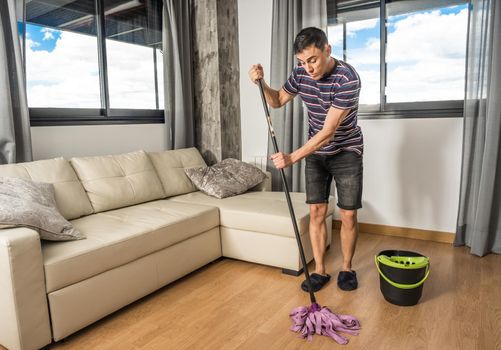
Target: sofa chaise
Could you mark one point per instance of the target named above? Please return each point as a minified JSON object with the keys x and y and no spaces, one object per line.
{"x":146,"y":225}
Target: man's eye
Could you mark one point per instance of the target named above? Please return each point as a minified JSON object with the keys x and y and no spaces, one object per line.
{"x":299,"y":64}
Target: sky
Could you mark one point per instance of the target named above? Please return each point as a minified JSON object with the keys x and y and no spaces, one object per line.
{"x":62,"y":71}
{"x":425,"y":57}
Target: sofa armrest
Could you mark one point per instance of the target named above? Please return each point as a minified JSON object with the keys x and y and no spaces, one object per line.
{"x":24,"y":323}
{"x":264,"y":186}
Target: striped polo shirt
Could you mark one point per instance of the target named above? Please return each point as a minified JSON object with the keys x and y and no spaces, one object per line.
{"x":339,"y":89}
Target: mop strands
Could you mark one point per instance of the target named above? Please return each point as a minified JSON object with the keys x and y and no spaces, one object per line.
{"x":308,"y":321}
{"x":315,"y":319}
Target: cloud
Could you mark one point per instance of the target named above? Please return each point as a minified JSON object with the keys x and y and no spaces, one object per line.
{"x":442,"y":79}
{"x":335,"y":35}
{"x":425,"y":57}
{"x":369,"y":94}
{"x":428,"y":35}
{"x":68,"y":76}
{"x":48,"y":33}
{"x":353,"y":27}
{"x":31,"y":44}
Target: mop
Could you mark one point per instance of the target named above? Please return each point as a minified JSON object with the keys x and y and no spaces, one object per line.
{"x":313,"y":319}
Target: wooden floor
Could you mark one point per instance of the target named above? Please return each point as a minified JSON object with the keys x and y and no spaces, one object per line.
{"x":232,"y":304}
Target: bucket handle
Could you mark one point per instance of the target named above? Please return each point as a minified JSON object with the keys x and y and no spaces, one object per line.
{"x":399,"y":285}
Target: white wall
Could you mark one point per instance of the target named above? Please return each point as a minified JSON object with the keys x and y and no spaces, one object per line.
{"x":412,"y":172}
{"x":411,"y":166}
{"x":254,"y":34}
{"x":73,"y":141}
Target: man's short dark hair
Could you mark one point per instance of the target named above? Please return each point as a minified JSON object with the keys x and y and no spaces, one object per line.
{"x":310,"y":36}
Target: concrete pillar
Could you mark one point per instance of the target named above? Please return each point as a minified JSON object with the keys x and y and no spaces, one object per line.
{"x":217,"y":74}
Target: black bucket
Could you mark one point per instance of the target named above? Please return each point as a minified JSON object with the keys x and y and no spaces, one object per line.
{"x":402,"y":275}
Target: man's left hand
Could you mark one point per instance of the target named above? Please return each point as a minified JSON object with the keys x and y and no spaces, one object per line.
{"x":281,"y":160}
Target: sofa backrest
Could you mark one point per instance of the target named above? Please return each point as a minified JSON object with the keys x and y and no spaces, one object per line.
{"x":115,"y":181}
{"x":71,"y":199}
{"x":170,"y":167}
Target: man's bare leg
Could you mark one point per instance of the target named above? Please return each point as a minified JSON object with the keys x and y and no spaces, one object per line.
{"x":349,"y":234}
{"x":318,"y":235}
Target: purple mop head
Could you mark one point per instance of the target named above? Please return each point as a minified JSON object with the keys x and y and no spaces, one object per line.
{"x":320,"y":320}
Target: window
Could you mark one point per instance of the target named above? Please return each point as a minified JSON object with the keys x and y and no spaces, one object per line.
{"x":94,"y":61}
{"x":357,"y":34}
{"x":410,"y":55}
{"x":62,"y":66}
{"x":426,"y":51}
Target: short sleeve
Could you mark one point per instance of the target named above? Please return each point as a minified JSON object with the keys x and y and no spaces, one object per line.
{"x":346,"y":96}
{"x":291,"y":85}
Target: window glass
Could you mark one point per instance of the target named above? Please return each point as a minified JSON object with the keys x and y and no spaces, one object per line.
{"x":362,"y":51}
{"x":133,"y":35}
{"x":335,"y":35}
{"x":425,"y":48}
{"x":61,"y":54}
{"x":160,"y":78}
{"x":361,"y":31}
{"x":425,"y":52}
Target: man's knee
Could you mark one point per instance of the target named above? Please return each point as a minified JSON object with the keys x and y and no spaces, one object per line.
{"x":348,"y":218}
{"x":318,"y":212}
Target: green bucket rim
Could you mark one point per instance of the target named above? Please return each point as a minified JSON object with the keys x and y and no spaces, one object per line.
{"x":404,"y":262}
{"x":400,"y":285}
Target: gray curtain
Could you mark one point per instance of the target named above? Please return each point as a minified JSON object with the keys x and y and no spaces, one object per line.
{"x":178,"y":74}
{"x":15,"y":137}
{"x":479,"y":223}
{"x":291,"y":121}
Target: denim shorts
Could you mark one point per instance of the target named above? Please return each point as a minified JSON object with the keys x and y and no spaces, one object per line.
{"x":346,"y":168}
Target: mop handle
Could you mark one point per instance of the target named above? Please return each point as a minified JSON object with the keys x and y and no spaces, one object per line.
{"x":287,"y":194}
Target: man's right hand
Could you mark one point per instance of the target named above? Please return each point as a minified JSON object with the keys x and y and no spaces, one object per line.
{"x":256,"y":73}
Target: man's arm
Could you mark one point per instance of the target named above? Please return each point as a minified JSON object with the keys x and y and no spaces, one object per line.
{"x":334,"y":118}
{"x":275,"y":98}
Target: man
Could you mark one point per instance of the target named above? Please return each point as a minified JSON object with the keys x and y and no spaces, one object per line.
{"x":329,"y":89}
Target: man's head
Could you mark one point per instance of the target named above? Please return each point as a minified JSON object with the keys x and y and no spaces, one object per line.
{"x":313,"y":52}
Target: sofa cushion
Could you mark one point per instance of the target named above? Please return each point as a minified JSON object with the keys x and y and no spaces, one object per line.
{"x":32,"y":204}
{"x":116,"y":181}
{"x":265,"y":212}
{"x":120,"y":236}
{"x":71,"y":199}
{"x":226,"y":178}
{"x":170,"y":167}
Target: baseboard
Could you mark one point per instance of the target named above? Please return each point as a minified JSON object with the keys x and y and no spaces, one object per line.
{"x":427,"y":235}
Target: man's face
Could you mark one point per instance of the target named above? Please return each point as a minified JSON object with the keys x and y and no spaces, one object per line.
{"x":314,"y":60}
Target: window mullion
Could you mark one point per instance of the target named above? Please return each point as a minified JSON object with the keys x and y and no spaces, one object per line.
{"x":103,"y":62}
{"x":344,"y":41}
{"x":382,"y":59}
{"x":156,"y":76}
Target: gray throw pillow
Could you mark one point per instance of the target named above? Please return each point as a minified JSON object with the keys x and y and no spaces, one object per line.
{"x":226,"y":178}
{"x":32,"y":204}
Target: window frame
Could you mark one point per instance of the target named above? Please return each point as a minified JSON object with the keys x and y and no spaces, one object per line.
{"x":392,"y":110}
{"x":55,"y":116}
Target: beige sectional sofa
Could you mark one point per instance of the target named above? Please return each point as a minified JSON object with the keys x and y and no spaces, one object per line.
{"x":146,"y":226}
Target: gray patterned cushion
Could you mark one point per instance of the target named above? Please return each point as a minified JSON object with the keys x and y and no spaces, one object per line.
{"x":226,"y":178}
{"x":32,"y":204}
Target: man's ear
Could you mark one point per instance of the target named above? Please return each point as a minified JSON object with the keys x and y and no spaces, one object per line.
{"x":328,"y":49}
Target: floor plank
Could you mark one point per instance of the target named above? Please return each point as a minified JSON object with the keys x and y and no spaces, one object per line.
{"x":231,"y":304}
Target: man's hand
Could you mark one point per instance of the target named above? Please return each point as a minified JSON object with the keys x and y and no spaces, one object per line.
{"x":281,"y":160}
{"x":275,"y":98}
{"x":256,"y":73}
